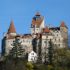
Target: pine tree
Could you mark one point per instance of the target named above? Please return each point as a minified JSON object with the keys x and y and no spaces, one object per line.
{"x":17,"y":51}
{"x":50,"y":52}
{"x":36,"y":43}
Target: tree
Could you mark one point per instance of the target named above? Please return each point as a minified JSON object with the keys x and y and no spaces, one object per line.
{"x":61,"y":59}
{"x":17,"y":51}
{"x":36,"y":43}
{"x":50,"y":53}
{"x":29,"y":66}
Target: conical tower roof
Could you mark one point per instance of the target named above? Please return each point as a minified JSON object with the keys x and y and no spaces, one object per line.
{"x":62,"y":24}
{"x":11,"y":28}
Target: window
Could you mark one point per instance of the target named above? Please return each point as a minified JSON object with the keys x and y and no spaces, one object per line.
{"x":57,"y":34}
{"x":55,"y":39}
{"x":55,"y":45}
{"x":32,"y":59}
{"x":59,"y":40}
{"x":57,"y":30}
{"x":58,"y":44}
{"x":32,"y":53}
{"x":45,"y":41}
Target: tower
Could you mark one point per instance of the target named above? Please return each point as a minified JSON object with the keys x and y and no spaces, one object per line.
{"x":8,"y":39}
{"x":11,"y":29}
{"x":37,"y":23}
{"x":64,"y":33}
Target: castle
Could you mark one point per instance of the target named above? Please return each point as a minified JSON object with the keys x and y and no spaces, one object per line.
{"x":39,"y":38}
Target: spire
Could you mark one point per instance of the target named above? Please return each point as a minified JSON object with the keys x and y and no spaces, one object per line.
{"x":11,"y":28}
{"x":62,"y":24}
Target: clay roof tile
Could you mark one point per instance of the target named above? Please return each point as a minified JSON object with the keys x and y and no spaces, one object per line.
{"x":62,"y":24}
{"x":11,"y":28}
{"x":37,"y":20}
{"x":46,"y":30}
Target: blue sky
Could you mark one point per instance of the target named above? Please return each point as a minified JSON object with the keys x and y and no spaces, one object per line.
{"x":22,"y":11}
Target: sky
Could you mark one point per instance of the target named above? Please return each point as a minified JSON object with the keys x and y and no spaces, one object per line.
{"x":22,"y":11}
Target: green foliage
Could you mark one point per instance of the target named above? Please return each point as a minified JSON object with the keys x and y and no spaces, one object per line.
{"x":29,"y":66}
{"x":10,"y":65}
{"x":62,"y":58}
{"x":50,"y":52}
{"x":59,"y":59}
{"x":40,"y":67}
{"x":49,"y":67}
{"x":17,"y":50}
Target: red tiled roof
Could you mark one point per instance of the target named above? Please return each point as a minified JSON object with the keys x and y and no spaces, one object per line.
{"x":46,"y":30}
{"x":11,"y":28}
{"x":62,"y":24}
{"x":38,"y":21}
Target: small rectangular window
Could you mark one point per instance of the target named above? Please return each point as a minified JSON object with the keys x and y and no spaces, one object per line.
{"x":55,"y":39}
{"x":32,"y":53}
{"x":45,"y":41}
{"x":59,"y":40}
{"x":32,"y":59}
{"x":58,"y":44}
